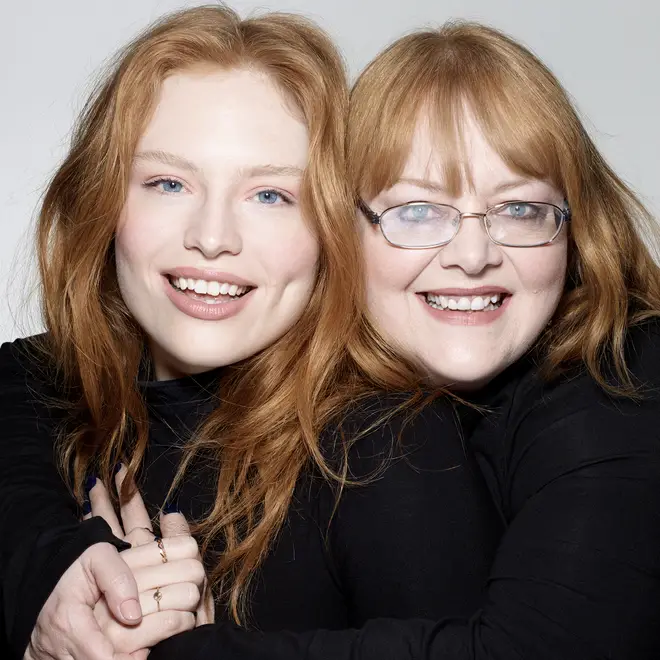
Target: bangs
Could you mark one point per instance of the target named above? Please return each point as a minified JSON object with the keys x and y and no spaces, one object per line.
{"x":447,"y":78}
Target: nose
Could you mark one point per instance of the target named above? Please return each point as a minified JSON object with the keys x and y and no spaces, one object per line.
{"x":213,"y":230}
{"x":470,"y":250}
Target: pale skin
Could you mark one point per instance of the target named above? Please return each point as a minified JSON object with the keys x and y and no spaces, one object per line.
{"x":462,"y":355}
{"x":181,"y":581}
{"x":215,"y":188}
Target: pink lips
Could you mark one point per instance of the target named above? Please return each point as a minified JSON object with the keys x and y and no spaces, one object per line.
{"x":199,"y":309}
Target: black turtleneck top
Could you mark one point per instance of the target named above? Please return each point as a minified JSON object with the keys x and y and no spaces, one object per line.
{"x":573,"y":476}
{"x":418,"y":540}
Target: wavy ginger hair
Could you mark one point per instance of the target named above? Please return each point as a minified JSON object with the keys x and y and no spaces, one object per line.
{"x":522,"y":110}
{"x":274,"y":404}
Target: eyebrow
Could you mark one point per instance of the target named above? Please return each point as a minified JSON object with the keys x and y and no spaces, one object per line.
{"x":271,"y":170}
{"x":168,"y":158}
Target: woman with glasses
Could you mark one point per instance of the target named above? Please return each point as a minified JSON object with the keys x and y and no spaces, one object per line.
{"x":505,"y":260}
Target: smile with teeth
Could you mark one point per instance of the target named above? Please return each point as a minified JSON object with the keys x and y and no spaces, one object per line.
{"x":209,"y":291}
{"x":483,"y":303}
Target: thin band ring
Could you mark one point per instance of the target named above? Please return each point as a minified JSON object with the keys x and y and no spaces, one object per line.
{"x":146,"y":529}
{"x":157,"y":597}
{"x":161,"y":549}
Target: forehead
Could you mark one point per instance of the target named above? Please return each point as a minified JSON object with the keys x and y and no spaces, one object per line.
{"x":208,"y":111}
{"x":468,"y":156}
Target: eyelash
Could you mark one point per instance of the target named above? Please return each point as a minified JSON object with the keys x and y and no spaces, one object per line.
{"x":156,"y":182}
{"x":287,"y":199}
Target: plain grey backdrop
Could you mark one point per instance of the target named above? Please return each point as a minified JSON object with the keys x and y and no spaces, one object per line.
{"x":605,"y":52}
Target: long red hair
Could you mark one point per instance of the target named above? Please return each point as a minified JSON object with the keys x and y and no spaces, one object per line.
{"x":275,"y":404}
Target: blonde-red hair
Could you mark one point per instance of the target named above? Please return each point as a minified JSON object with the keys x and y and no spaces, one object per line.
{"x":525,"y":114}
{"x":274,"y":404}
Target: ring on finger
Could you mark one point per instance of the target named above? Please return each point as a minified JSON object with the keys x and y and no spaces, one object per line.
{"x":161,"y":549}
{"x":158,"y":595}
{"x":146,"y":529}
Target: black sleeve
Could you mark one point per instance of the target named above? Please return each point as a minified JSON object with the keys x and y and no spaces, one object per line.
{"x":417,"y":535}
{"x":577,"y":574}
{"x":40,"y":532}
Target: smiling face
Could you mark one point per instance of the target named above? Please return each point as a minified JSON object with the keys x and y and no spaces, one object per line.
{"x":465,"y":311}
{"x":214,"y":259}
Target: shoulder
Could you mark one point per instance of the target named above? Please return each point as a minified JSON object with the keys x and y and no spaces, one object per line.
{"x":540,"y":403}
{"x":572,"y":428}
{"x":25,"y":371}
{"x":21,"y":356}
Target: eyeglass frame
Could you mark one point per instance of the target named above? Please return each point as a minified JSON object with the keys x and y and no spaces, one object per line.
{"x":375,"y":219}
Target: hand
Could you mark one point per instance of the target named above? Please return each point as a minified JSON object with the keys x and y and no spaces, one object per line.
{"x":135,"y":519}
{"x":66,"y":627}
{"x":177,"y":582}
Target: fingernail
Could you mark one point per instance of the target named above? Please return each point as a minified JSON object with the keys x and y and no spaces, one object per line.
{"x":172,"y":506}
{"x":90,"y":482}
{"x":130,"y":610}
{"x":86,"y":506}
{"x":117,"y":468}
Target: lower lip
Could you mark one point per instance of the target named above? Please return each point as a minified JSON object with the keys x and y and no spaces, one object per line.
{"x":205,"y":311}
{"x":457,"y":317}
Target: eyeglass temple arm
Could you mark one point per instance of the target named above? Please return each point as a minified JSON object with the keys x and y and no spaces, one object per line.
{"x":373,"y":217}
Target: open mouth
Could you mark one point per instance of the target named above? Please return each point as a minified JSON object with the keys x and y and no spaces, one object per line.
{"x":208,"y":291}
{"x":481,"y":303}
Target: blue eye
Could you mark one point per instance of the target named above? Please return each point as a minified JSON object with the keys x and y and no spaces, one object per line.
{"x":167,"y":186}
{"x":271,"y":197}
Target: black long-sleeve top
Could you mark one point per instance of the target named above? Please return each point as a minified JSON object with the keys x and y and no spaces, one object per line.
{"x":575,"y":475}
{"x":575,"y":478}
{"x":416,"y":541}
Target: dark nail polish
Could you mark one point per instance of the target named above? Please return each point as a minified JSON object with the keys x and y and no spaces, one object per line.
{"x":116,"y":468}
{"x":90,"y":482}
{"x":171,"y":506}
{"x":86,"y":507}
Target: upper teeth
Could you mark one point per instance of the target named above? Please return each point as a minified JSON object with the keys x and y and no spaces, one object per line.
{"x":206,"y":288}
{"x":465,"y":303}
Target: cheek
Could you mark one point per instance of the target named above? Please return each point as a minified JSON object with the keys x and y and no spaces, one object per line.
{"x":141,"y":237}
{"x":542,"y":274}
{"x":389,"y":270}
{"x":287,"y":256}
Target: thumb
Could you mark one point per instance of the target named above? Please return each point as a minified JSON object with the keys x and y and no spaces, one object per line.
{"x":114,"y":579}
{"x":173,"y":524}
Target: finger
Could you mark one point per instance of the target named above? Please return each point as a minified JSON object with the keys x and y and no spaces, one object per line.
{"x":102,"y":507}
{"x":206,"y":610}
{"x":134,"y":514}
{"x":153,"y":629}
{"x":114,"y":579}
{"x":184,"y":570}
{"x":173,"y":524}
{"x":140,"y":655}
{"x":89,"y":641}
{"x":140,"y":536}
{"x":183,"y":597}
{"x":176,"y":548}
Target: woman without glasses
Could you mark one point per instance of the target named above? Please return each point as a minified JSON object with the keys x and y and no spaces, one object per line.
{"x":201,"y":276}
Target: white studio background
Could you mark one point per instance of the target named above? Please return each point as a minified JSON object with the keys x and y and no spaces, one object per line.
{"x":606,"y":53}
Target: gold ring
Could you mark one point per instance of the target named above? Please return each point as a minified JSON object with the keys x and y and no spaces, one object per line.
{"x":157,"y":596}
{"x":161,"y":549}
{"x":146,"y":529}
